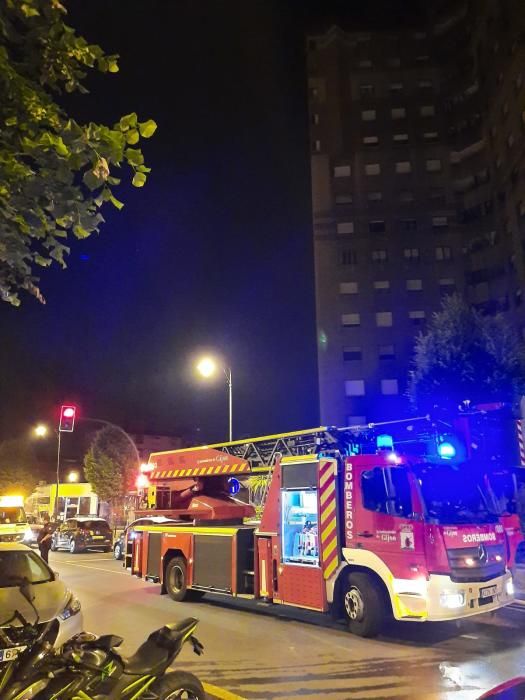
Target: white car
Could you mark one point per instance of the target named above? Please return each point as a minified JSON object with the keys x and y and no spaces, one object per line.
{"x":119,"y":548}
{"x":52,"y":599}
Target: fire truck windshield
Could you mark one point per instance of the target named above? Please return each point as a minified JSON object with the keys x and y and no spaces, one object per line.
{"x":452,"y":497}
{"x":504,"y":488}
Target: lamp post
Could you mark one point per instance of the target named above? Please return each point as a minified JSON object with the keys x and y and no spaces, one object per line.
{"x":207,"y":367}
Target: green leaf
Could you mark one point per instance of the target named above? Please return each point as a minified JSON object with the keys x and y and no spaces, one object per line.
{"x":132,"y":136}
{"x":134,"y":156}
{"x":113,"y":66}
{"x":128,"y":121}
{"x":43,"y":262}
{"x":139,"y":180}
{"x":80,"y":231}
{"x":91,"y":180}
{"x":116,"y":202}
{"x":11,"y":121}
{"x":148,"y":128}
{"x":29,"y":11}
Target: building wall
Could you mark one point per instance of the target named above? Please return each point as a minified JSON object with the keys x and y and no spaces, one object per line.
{"x":389,"y":243}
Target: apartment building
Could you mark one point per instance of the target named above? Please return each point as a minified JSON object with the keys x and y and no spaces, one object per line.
{"x":417,"y":190}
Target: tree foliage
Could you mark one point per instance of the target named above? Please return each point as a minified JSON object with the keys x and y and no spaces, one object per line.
{"x":17,"y":468}
{"x":110,"y":465}
{"x":466,"y":356}
{"x":55,"y":173}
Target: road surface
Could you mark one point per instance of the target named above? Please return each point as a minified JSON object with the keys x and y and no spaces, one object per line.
{"x":262,"y":656}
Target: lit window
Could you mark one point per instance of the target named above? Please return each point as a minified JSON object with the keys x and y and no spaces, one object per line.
{"x":389,"y":387}
{"x":440,"y":221}
{"x":372,"y":169}
{"x":398,"y":112}
{"x":379,"y":255}
{"x":403,"y":167}
{"x":355,"y":387}
{"x":396,"y":87}
{"x":408,"y":224}
{"x":366,"y":90}
{"x":352,"y":352}
{"x":414,"y":285}
{"x":431,"y":135}
{"x":370,"y":140}
{"x":368,"y":115}
{"x":417,"y":317}
{"x":377,"y":227}
{"x":342,"y":171}
{"x":348,"y":288}
{"x":375,"y":196}
{"x":350,"y":320}
{"x":400,"y":138}
{"x":406,"y":196}
{"x":433,"y":165}
{"x":387,"y":352}
{"x":443,"y":252}
{"x":447,"y":285}
{"x":381,"y":284}
{"x":343,"y":199}
{"x":411,"y":253}
{"x":345,"y":227}
{"x":349,"y":257}
{"x":427,"y":111}
{"x":383,"y":319}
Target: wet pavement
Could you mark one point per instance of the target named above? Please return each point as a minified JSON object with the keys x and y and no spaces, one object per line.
{"x":256,"y":651}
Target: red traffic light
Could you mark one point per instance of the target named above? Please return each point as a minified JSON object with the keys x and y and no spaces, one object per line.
{"x":67,"y":419}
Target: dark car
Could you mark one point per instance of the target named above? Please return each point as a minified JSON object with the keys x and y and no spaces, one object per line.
{"x":82,"y":533}
{"x":120,"y":543}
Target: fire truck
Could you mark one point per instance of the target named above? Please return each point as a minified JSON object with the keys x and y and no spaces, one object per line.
{"x":352,"y":524}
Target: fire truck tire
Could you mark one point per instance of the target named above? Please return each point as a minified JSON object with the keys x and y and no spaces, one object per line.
{"x":364,"y":605}
{"x":179,"y":684}
{"x":176,"y":580}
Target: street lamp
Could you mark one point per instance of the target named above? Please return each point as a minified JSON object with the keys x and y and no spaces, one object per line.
{"x":40,"y":430}
{"x":207,"y":367}
{"x":72,"y":477}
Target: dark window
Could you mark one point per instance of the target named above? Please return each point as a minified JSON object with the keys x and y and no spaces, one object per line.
{"x":411,"y":253}
{"x":377,"y":227}
{"x":349,"y":257}
{"x":352,"y":353}
{"x":408,"y":224}
{"x":387,"y":352}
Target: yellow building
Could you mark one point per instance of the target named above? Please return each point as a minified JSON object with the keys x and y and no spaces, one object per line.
{"x":73,"y":499}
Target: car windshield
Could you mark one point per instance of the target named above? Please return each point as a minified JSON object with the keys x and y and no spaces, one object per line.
{"x":453,"y":496}
{"x":93,"y":525}
{"x":17,"y":566}
{"x":11,"y":515}
{"x":504,"y":491}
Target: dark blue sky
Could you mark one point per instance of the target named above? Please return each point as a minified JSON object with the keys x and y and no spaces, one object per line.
{"x":215,"y":251}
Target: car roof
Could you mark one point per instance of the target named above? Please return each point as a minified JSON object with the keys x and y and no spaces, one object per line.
{"x":14,"y":547}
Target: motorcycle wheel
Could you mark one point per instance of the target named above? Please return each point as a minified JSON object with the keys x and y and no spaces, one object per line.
{"x":179,"y":685}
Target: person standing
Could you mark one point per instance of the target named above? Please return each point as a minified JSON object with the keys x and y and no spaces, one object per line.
{"x":44,"y":540}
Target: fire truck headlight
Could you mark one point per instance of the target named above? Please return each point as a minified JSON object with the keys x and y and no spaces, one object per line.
{"x":452,"y":600}
{"x":509,"y":587}
{"x":28,"y":535}
{"x":410,"y":586}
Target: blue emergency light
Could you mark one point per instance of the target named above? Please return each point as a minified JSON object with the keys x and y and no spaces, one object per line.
{"x":446,"y":450}
{"x":385,"y":442}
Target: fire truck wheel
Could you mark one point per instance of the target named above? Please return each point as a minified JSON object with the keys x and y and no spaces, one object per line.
{"x":176,"y":579}
{"x":364,"y":605}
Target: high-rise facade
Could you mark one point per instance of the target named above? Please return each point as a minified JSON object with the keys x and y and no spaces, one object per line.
{"x":418,"y":190}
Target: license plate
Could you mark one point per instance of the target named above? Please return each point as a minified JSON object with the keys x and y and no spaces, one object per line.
{"x":10,"y":654}
{"x":488,"y":592}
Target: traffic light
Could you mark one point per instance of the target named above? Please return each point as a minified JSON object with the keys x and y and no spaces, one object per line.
{"x":67,"y":419}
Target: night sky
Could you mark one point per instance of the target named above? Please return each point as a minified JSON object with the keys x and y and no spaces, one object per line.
{"x":214,"y":252}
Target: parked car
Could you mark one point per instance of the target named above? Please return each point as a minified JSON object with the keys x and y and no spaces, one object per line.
{"x":82,"y":533}
{"x":120,"y":544}
{"x":52,"y":598}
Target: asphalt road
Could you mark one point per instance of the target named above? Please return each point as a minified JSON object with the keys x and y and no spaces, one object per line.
{"x":253,"y":653}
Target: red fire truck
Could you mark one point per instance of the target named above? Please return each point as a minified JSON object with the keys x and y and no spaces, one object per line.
{"x":359,"y":532}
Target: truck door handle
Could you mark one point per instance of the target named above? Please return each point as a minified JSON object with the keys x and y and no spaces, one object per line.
{"x":366,"y":533}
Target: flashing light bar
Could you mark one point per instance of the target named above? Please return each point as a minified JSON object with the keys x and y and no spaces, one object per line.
{"x":11,"y":501}
{"x":446,"y":450}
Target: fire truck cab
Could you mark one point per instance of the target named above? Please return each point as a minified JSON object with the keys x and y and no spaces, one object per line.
{"x":363,"y":536}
